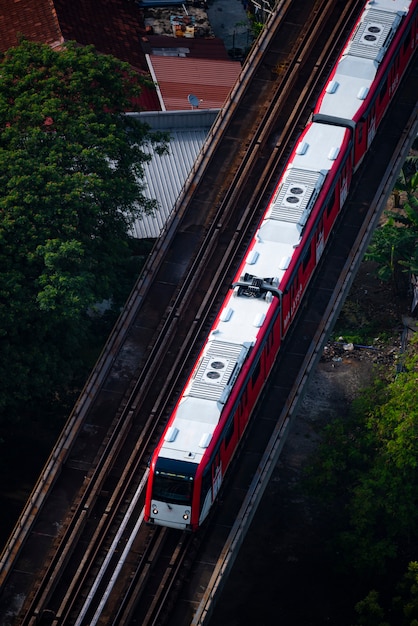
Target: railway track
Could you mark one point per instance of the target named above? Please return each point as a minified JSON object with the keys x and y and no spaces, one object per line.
{"x":102,"y":547}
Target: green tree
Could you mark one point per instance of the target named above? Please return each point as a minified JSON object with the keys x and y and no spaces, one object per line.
{"x":400,"y":607}
{"x":394,"y":245}
{"x":407,"y":180}
{"x":71,"y":172}
{"x":370,"y":612}
{"x":367,"y":469}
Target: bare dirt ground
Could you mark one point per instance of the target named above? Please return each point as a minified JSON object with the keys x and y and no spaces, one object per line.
{"x":283,"y":575}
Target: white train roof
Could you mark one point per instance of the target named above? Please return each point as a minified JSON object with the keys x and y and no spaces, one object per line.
{"x":354,"y":74}
{"x":246,"y":306}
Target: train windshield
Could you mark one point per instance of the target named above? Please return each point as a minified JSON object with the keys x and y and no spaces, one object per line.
{"x":173,"y":481}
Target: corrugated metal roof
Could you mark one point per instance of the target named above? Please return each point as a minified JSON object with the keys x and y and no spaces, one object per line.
{"x":35,"y":19}
{"x":165,"y":175}
{"x":208,"y":79}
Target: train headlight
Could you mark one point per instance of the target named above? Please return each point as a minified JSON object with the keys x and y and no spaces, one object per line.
{"x":186,"y":515}
{"x":155,"y":510}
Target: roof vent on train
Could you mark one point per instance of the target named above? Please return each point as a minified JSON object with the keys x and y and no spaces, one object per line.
{"x":171,"y":434}
{"x":215,"y":370}
{"x":294,"y":195}
{"x":302,"y":148}
{"x":332,"y":86}
{"x":205,"y":440}
{"x":333,"y":153}
{"x":371,"y":34}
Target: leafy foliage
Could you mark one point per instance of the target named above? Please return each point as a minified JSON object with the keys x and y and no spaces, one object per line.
{"x":401,"y":609}
{"x":394,"y":245}
{"x":71,"y":166}
{"x":368,"y":465}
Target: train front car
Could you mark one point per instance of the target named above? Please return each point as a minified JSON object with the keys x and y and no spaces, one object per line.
{"x":186,"y":469}
{"x":369,"y":70}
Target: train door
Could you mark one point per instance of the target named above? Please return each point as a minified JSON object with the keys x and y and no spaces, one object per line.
{"x":371,"y":129}
{"x":320,"y":241}
{"x":328,"y":214}
{"x":257,"y":380}
{"x":344,"y":186}
{"x":216,"y":475}
{"x":285,"y":312}
{"x":307,"y":267}
{"x":242,"y":413}
{"x":295,"y":294}
{"x":360,"y":143}
{"x":270,"y":350}
{"x":394,"y":78}
{"x":206,"y":494}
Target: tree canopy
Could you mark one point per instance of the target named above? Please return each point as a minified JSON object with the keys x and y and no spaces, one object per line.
{"x":399,"y":609}
{"x":71,"y":185}
{"x":394,"y":245}
{"x":368,"y":465}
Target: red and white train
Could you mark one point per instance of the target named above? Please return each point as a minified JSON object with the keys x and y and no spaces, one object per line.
{"x":204,"y":430}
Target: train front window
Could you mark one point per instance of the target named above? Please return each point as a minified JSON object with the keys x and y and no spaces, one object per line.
{"x":173,"y":481}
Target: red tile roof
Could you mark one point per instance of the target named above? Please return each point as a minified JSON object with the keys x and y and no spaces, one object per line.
{"x":209,"y":80}
{"x":112,"y":26}
{"x":34,"y":19}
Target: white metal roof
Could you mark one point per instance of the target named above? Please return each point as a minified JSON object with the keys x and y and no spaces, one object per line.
{"x":237,"y":328}
{"x":359,"y":63}
{"x":165,"y":175}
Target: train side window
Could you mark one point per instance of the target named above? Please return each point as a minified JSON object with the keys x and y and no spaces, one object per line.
{"x":330,"y":203}
{"x":328,"y":208}
{"x":294,"y":286}
{"x":269,"y":342}
{"x":244,"y":398}
{"x":206,"y":483}
{"x":271,"y":338}
{"x":360,"y":133}
{"x":229,"y":432}
{"x":383,"y":90}
{"x":306,"y":258}
{"x":407,"y":41}
{"x":256,"y":373}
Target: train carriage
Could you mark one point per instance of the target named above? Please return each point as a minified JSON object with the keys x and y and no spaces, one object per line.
{"x":369,"y":70}
{"x":204,"y":430}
